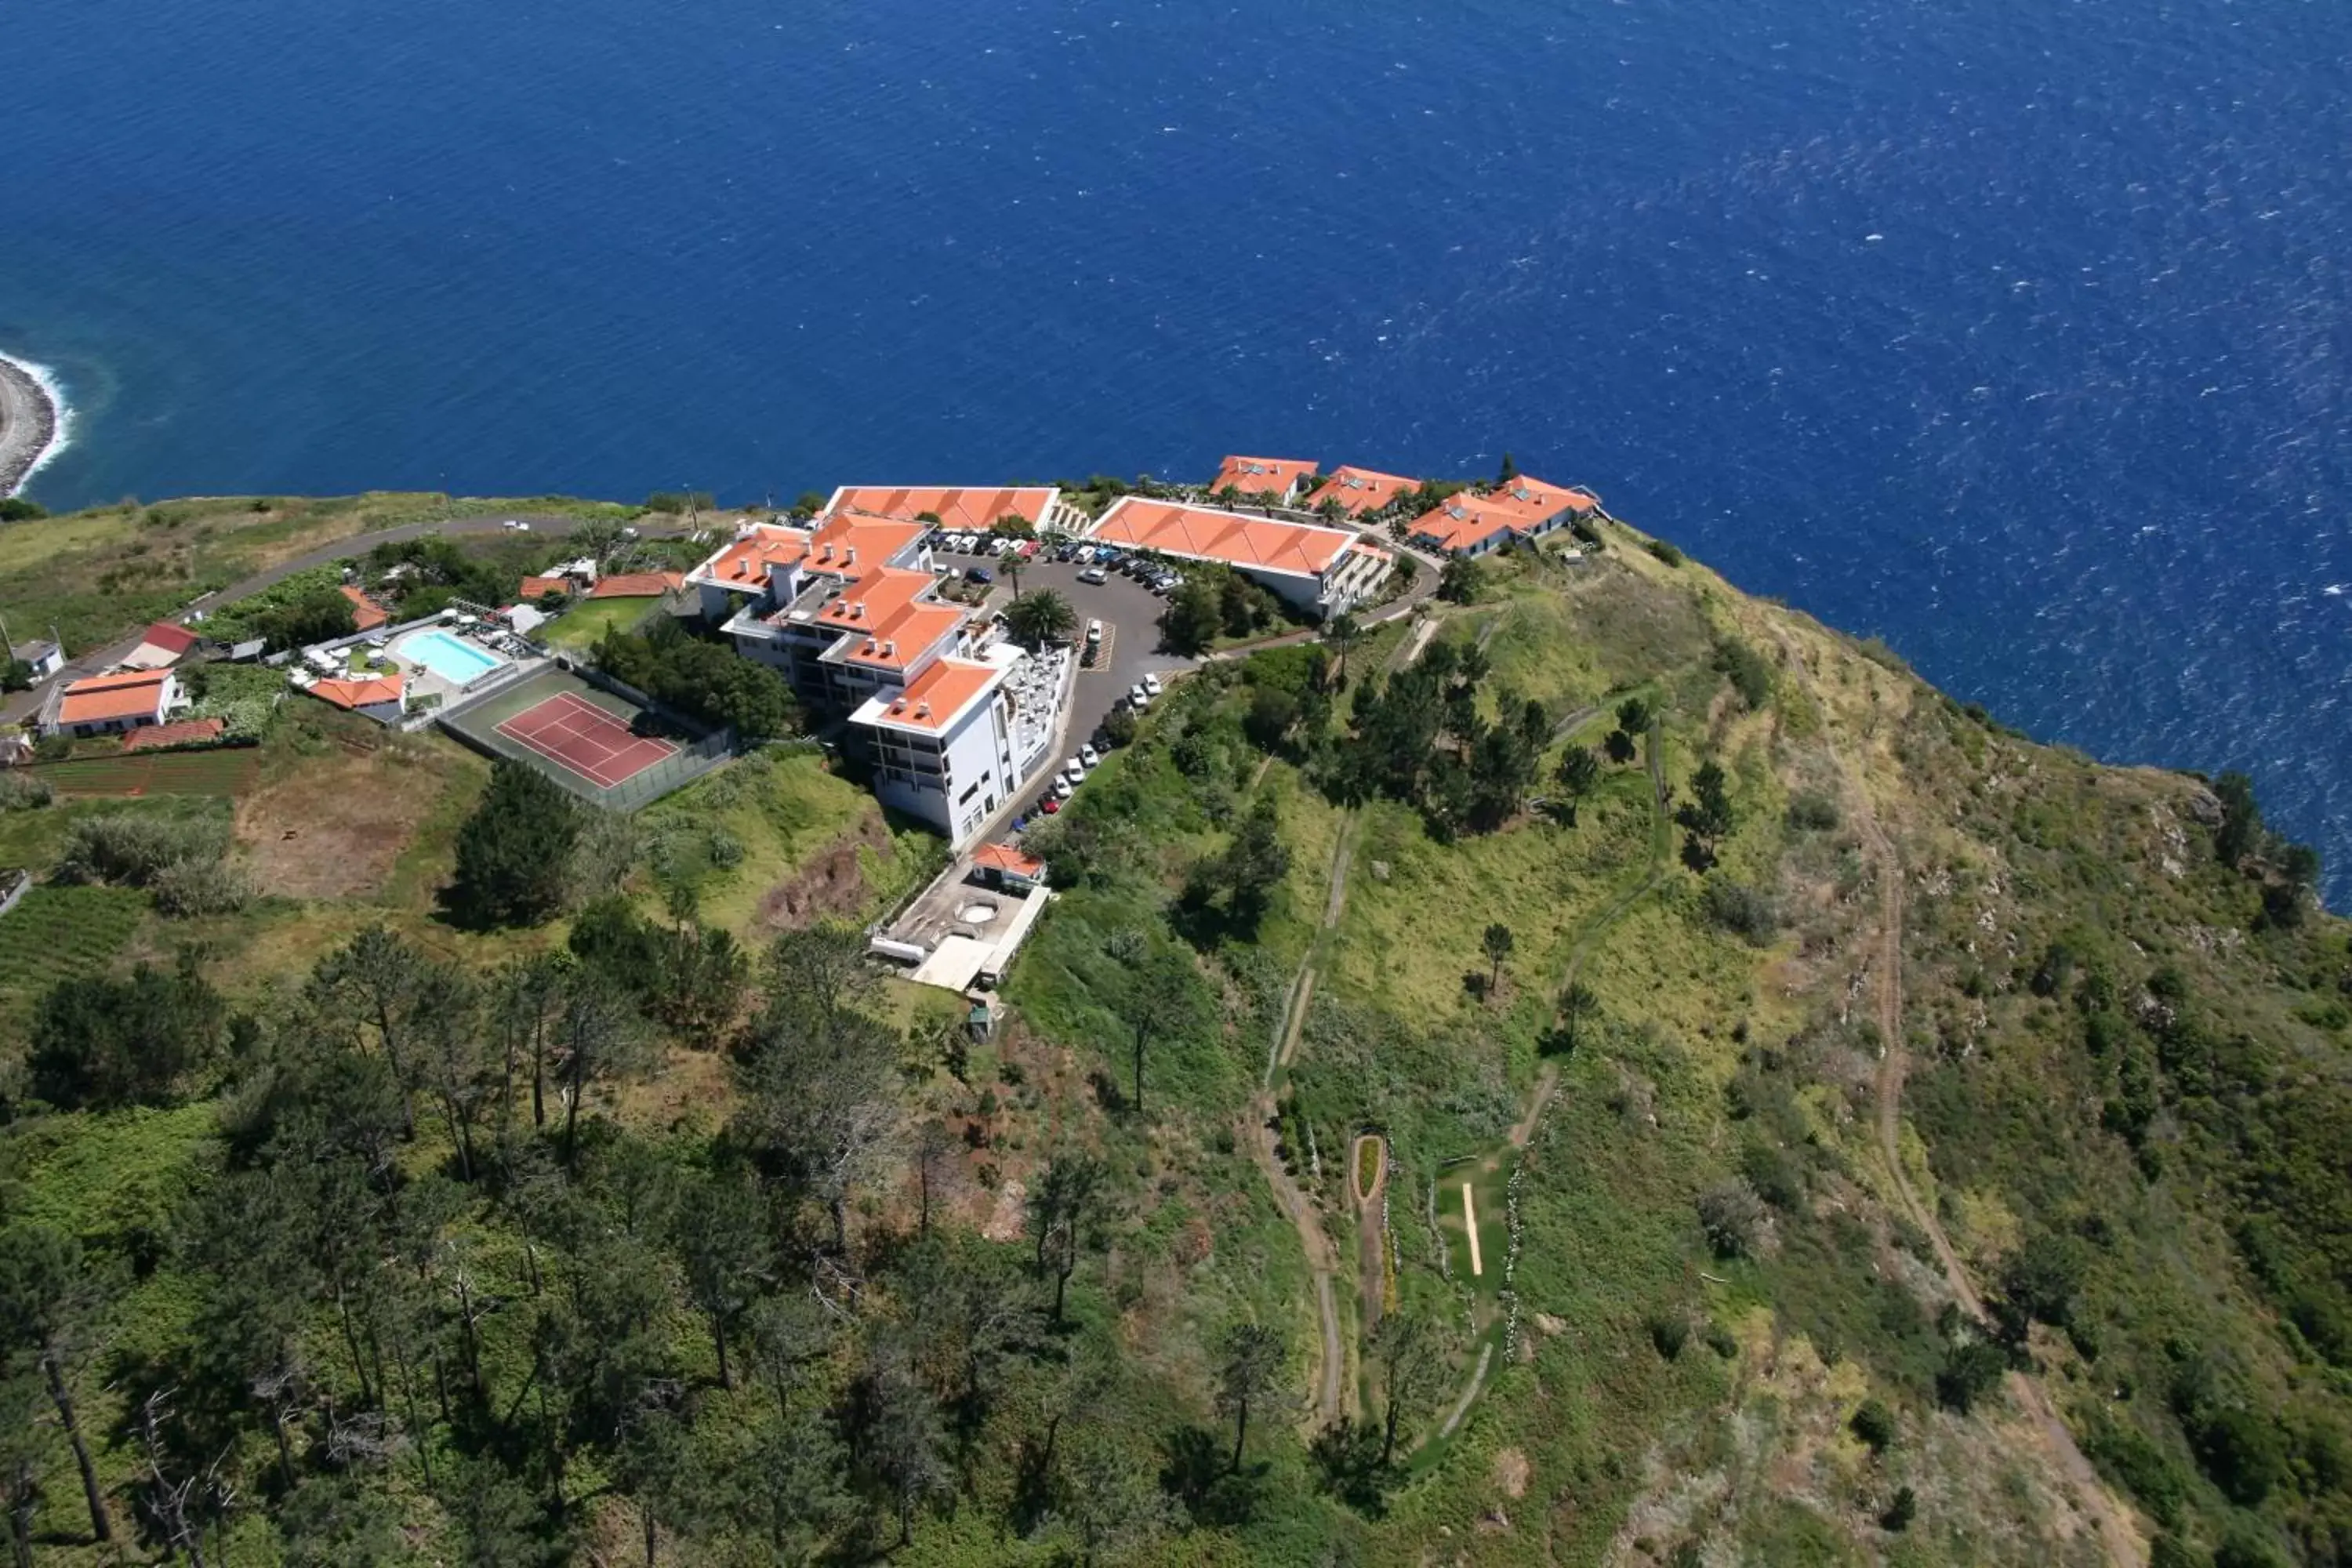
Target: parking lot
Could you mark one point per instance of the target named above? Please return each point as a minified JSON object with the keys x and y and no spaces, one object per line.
{"x":1129,"y":612}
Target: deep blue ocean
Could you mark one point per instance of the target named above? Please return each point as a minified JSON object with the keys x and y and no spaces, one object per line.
{"x":2018,"y":333}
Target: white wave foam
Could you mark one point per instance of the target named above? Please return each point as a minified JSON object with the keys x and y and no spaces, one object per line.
{"x":62,"y":436}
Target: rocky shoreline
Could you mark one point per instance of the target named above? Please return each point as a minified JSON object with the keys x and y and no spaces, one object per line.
{"x":29,"y":424}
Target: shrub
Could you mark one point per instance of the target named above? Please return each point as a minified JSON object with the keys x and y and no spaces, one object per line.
{"x":1874,"y":1424}
{"x":23,"y":790}
{"x":1669,"y":1331}
{"x":514,"y":854}
{"x":1813,"y":812}
{"x":1745,"y":668}
{"x":16,"y":509}
{"x":1732,"y":1217}
{"x":1901,"y":1511}
{"x":199,"y":887}
{"x":134,"y":851}
{"x":101,"y":1043}
{"x":1664,"y":552}
{"x":1737,"y":908}
{"x":1972,"y":1368}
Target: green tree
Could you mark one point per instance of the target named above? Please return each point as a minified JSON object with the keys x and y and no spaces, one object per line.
{"x":1342,"y":632}
{"x":1507,"y":472}
{"x":721,"y":1235}
{"x":1495,"y":943}
{"x":1272,"y":712}
{"x":2241,"y":833}
{"x":903,"y":1442}
{"x":1158,"y":999}
{"x":1042,"y":617}
{"x":598,"y":1037}
{"x":333,"y":1521}
{"x":1461,"y":581}
{"x":1256,"y":862}
{"x":1576,"y":1004}
{"x":512,"y":851}
{"x":104,"y":1043}
{"x":1194,"y":616}
{"x":1249,"y":1376}
{"x":1059,"y":1209}
{"x":1577,"y":772}
{"x":49,"y":1307}
{"x":1411,"y":1350}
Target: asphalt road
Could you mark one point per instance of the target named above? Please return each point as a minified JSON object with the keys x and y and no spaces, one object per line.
{"x":21,"y":704}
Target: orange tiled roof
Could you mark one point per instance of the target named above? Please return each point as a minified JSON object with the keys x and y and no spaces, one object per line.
{"x":534,"y":587}
{"x":1533,"y":501}
{"x":123,"y":696}
{"x":846,"y":544}
{"x":744,"y":563}
{"x":1462,"y":522}
{"x":938,"y":694}
{"x":1205,"y":533}
{"x":364,"y":693}
{"x":1252,"y":476}
{"x":972,"y":509}
{"x":636,"y":584}
{"x":366,"y":614}
{"x":164,"y":635}
{"x":174,"y":734}
{"x":1006,"y":857}
{"x":1359,"y":489}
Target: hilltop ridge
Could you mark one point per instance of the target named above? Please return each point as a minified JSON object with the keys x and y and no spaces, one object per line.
{"x":1602,"y":1070}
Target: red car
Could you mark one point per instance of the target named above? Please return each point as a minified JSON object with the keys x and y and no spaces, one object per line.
{"x":1049,"y":805}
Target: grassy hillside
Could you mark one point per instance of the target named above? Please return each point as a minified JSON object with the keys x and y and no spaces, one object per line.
{"x":1837,"y":1129}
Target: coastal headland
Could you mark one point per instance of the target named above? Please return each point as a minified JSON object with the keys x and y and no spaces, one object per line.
{"x":29,"y":424}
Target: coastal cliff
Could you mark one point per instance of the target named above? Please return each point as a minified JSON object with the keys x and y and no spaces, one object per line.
{"x":29,"y":424}
{"x":1605,"y":1070}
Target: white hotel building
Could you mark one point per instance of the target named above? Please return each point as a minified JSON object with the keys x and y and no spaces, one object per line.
{"x":951,"y":720}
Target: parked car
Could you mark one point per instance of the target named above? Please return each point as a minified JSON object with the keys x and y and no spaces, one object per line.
{"x":979,"y":574}
{"x":1090,"y":756}
{"x":1028,"y":550}
{"x":1062,"y":788}
{"x":1094,"y":631}
{"x":1094,"y":574}
{"x":1163,"y":583}
{"x":1151,"y":684}
{"x":1138,"y":698}
{"x":1075,"y":769}
{"x":1049,"y":805}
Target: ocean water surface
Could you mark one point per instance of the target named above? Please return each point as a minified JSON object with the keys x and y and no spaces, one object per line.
{"x":2018,"y":334}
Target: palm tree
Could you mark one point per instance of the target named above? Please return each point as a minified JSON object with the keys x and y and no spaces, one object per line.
{"x":1044,"y":616}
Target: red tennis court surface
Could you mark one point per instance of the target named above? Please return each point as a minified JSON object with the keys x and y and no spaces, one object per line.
{"x":593,"y":743}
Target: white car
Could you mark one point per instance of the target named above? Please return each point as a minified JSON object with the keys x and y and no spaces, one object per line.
{"x":1075,"y":768}
{"x":1151,"y":684}
{"x":1090,"y":756}
{"x":511,"y":524}
{"x":1094,"y":631}
{"x":1138,"y":698}
{"x":1062,"y":788}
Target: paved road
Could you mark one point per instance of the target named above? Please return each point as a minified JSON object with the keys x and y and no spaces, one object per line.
{"x":21,"y":704}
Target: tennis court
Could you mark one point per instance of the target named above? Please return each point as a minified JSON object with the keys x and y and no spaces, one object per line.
{"x":577,"y":734}
{"x":604,"y":747}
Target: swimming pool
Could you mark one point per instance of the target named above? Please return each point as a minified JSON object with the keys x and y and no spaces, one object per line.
{"x":454,"y":660}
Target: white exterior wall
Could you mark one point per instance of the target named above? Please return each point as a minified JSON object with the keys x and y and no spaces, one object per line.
{"x":977,"y":772}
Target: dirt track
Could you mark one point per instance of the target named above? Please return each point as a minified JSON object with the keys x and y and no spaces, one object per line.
{"x":2118,"y":1539}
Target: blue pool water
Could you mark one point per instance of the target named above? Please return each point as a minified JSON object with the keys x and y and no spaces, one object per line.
{"x":452,"y":658}
{"x":2016,"y":334}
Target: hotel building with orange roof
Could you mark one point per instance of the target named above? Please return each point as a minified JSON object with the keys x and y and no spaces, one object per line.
{"x":1280,"y":478}
{"x":1324,"y":571}
{"x":1357,"y":491}
{"x":846,"y":609}
{"x":1471,"y":523}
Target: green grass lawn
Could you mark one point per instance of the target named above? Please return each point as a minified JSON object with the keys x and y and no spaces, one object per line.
{"x":580,"y":627}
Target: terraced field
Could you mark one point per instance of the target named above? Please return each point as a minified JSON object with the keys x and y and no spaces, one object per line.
{"x":227,"y":771}
{"x":57,"y":932}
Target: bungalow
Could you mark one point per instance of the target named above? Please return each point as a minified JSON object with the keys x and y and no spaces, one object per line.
{"x":161,"y":646}
{"x":1357,"y":491}
{"x":1473,"y":524}
{"x":1008,"y":867}
{"x":1324,"y":571}
{"x":378,"y":696}
{"x":1274,"y":481}
{"x":539,"y":587}
{"x":110,"y":704}
{"x":366,"y":614}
